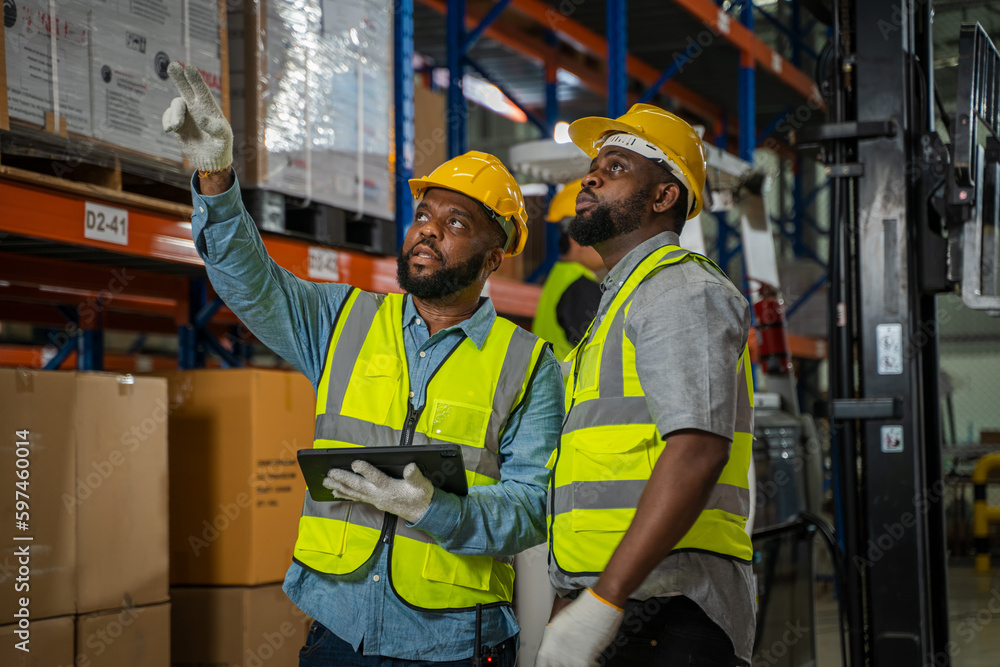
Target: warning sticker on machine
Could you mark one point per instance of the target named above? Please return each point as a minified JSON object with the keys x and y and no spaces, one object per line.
{"x":890,"y":348}
{"x":892,"y":439}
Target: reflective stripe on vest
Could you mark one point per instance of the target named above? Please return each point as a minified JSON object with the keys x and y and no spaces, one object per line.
{"x":610,"y":444}
{"x":546,"y":322}
{"x":362,"y":400}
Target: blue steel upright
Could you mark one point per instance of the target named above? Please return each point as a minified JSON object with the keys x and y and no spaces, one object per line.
{"x":617,"y":27}
{"x":457,"y":113}
{"x":747,"y":92}
{"x":402,"y":35}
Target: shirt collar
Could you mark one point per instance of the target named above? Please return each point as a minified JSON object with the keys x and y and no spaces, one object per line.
{"x":477,"y":327}
{"x":620,"y":272}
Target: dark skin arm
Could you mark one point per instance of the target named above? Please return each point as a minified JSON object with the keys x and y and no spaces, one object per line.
{"x":216,"y":184}
{"x":678,"y":490}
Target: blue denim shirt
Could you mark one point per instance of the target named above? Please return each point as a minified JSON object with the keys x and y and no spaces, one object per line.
{"x":295,"y":318}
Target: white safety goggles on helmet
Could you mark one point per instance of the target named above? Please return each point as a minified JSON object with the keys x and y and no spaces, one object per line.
{"x":639,"y":145}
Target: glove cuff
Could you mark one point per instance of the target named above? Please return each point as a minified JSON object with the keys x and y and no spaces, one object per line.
{"x":613,"y":606}
{"x":217,"y":164}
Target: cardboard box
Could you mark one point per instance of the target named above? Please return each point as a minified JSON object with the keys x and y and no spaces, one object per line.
{"x":126,"y":637}
{"x":97,"y":488}
{"x":133,"y":43}
{"x":28,"y":36}
{"x":236,"y":491}
{"x":989,"y":437}
{"x":236,"y":627}
{"x":112,"y":85}
{"x":41,"y":403}
{"x":121,"y":499}
{"x":50,"y":644}
{"x":430,"y":130}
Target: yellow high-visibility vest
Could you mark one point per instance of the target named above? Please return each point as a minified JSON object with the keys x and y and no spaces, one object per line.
{"x":362,"y":400}
{"x":546,"y":323}
{"x":610,"y":443}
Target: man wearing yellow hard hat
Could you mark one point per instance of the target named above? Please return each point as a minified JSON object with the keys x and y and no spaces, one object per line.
{"x":572,"y":290}
{"x":649,"y":496}
{"x":397,"y":569}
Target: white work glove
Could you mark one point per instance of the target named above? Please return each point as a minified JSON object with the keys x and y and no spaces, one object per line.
{"x":578,"y":634}
{"x":196,"y":118}
{"x":407,"y":498}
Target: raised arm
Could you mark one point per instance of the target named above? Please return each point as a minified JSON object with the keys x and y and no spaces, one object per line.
{"x":293,"y":317}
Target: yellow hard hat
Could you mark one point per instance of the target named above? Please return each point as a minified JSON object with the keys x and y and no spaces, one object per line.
{"x":670,"y":140}
{"x":563,"y":205}
{"x":484,"y":178}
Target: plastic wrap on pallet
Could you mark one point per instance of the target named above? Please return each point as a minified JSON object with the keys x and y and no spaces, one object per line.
{"x":104,"y":99}
{"x":312,"y":100}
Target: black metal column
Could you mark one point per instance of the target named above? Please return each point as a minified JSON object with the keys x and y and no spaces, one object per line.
{"x":901,"y":554}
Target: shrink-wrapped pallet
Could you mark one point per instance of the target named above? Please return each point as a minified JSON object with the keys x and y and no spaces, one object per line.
{"x":312,"y":100}
{"x":103,"y":100}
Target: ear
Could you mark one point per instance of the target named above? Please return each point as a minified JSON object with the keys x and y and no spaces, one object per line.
{"x":666,"y":195}
{"x":493,"y":260}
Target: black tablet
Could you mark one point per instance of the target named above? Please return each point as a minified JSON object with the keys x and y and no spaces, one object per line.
{"x":443,"y":465}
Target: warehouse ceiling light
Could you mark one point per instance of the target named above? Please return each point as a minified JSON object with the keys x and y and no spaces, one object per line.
{"x":487,"y":95}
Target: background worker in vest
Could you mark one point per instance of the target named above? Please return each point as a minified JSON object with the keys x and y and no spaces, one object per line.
{"x":397,"y":572}
{"x":649,"y":492}
{"x":572,"y":290}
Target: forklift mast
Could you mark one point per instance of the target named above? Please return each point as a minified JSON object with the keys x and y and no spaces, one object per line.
{"x":911,"y":217}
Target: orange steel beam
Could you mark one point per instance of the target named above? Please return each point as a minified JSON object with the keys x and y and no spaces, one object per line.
{"x":574,"y":32}
{"x":29,"y":356}
{"x":737,"y":34}
{"x":801,"y":347}
{"x":47,"y":316}
{"x":58,"y":216}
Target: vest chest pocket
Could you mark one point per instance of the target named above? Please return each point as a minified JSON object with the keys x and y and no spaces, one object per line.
{"x":373,"y":388}
{"x":459,"y":422}
{"x":466,"y":571}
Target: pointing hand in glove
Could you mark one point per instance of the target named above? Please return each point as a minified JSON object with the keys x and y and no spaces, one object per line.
{"x":195,"y":117}
{"x":407,"y":498}
{"x":578,"y":634}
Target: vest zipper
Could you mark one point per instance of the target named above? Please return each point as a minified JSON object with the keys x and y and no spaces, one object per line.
{"x":405,"y":440}
{"x":410,"y":426}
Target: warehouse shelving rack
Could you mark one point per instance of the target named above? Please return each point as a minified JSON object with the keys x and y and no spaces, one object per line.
{"x":51,"y":273}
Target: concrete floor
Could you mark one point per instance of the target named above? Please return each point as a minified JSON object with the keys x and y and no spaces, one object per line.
{"x":974,"y":603}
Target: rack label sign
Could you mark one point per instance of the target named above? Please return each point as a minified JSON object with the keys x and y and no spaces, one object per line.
{"x":323,"y":264}
{"x":105,"y":223}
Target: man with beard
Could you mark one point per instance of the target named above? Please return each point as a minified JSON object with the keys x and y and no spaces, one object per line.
{"x":649,"y":496}
{"x":395,"y":571}
{"x":572,"y":290}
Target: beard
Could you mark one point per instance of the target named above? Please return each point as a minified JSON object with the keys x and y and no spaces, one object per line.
{"x":608,"y":220}
{"x":445,"y":281}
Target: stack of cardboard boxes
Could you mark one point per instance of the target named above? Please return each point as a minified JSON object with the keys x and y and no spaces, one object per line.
{"x":83,"y":520}
{"x":110,"y":84}
{"x":235,"y":499}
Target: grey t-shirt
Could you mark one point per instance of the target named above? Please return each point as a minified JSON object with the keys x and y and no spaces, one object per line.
{"x":689,"y":325}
